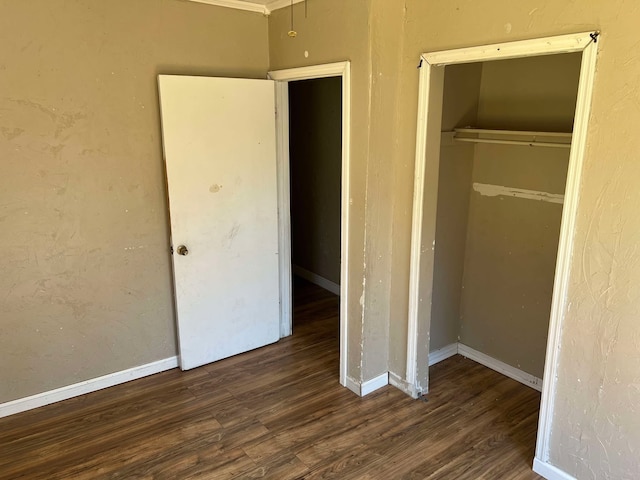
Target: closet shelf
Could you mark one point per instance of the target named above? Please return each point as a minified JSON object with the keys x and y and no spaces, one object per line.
{"x":511,"y":137}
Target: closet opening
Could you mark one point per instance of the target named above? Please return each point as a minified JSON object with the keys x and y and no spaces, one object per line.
{"x":501,"y":137}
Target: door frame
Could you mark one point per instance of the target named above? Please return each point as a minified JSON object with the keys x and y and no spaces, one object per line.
{"x":282,"y":79}
{"x":426,"y":186}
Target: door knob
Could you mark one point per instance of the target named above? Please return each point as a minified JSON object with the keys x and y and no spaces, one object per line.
{"x":183,"y":250}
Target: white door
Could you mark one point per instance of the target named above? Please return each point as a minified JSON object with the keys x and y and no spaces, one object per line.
{"x":220,"y":154}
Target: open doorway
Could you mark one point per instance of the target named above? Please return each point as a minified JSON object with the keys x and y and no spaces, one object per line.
{"x":314,"y":174}
{"x":315,"y":171}
{"x":534,"y":160}
{"x":315,"y":164}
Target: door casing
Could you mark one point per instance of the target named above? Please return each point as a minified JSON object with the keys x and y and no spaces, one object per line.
{"x":432,"y":66}
{"x":282,"y":78}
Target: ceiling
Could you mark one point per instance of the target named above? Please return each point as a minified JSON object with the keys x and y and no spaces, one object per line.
{"x":262,"y":6}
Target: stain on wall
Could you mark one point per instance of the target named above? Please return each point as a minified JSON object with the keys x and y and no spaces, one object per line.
{"x":86,"y":280}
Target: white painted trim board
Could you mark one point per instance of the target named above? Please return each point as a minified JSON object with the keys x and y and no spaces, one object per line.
{"x":284,"y":210}
{"x":516,"y":374}
{"x":398,"y":382}
{"x":374,"y":384}
{"x":264,"y":8}
{"x":501,"y":367}
{"x":363,"y":389}
{"x":565,"y":246}
{"x":282,"y":77}
{"x":87,"y":386}
{"x":238,"y":5}
{"x":317,"y":279}
{"x":352,"y":384}
{"x":550,"y":472}
{"x":585,"y":42}
{"x":443,"y":353}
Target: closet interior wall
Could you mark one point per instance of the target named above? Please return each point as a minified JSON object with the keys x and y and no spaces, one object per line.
{"x":495,"y":255}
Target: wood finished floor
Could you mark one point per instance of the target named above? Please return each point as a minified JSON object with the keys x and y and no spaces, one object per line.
{"x":279,"y":412}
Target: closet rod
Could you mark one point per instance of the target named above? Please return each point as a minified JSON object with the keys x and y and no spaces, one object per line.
{"x":512,"y":142}
{"x":518,"y":133}
{"x":512,"y":137}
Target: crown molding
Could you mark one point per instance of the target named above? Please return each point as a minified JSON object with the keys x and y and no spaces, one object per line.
{"x":251,"y":6}
{"x":238,"y":5}
{"x":277,"y":4}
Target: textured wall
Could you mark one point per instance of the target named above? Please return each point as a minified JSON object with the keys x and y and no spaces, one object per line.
{"x":512,"y":243}
{"x":86,"y":276}
{"x":460,"y":109}
{"x":596,"y":424}
{"x":315,"y":119}
{"x":336,"y":31}
{"x":511,"y":254}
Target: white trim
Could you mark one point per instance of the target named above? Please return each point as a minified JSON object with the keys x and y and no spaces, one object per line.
{"x":443,"y":353}
{"x":238,"y":5}
{"x":87,"y":386}
{"x":402,"y":385}
{"x":501,"y":367}
{"x":374,"y":384}
{"x":565,"y":246}
{"x":580,"y":42}
{"x":316,"y":279}
{"x":550,"y":472}
{"x":428,"y":126}
{"x":502,"y":51}
{"x":498,"y":190}
{"x":353,"y":385}
{"x":284,"y":210}
{"x":339,"y":69}
{"x":513,"y":137}
{"x":278,"y":4}
{"x":265,"y":9}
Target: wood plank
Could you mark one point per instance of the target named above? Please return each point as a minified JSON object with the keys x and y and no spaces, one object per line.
{"x":279,"y":412}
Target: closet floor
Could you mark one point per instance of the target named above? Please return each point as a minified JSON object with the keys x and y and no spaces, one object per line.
{"x":279,"y":412}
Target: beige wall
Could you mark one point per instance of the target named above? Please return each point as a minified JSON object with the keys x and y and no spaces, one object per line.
{"x":86,"y":276}
{"x":537,"y":93}
{"x":512,"y":243}
{"x":460,"y":108}
{"x":456,"y":167}
{"x":315,"y":149}
{"x":511,"y":254}
{"x":596,"y":427}
{"x":69,"y":270}
{"x":335,"y":31}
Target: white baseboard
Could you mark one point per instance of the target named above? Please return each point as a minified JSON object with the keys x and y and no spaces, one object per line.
{"x":317,"y":279}
{"x":88,"y":386}
{"x":353,"y":385}
{"x":374,"y":384}
{"x":511,"y":372}
{"x":365,"y":388}
{"x":402,"y":385}
{"x":442,"y":353}
{"x":550,"y":472}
